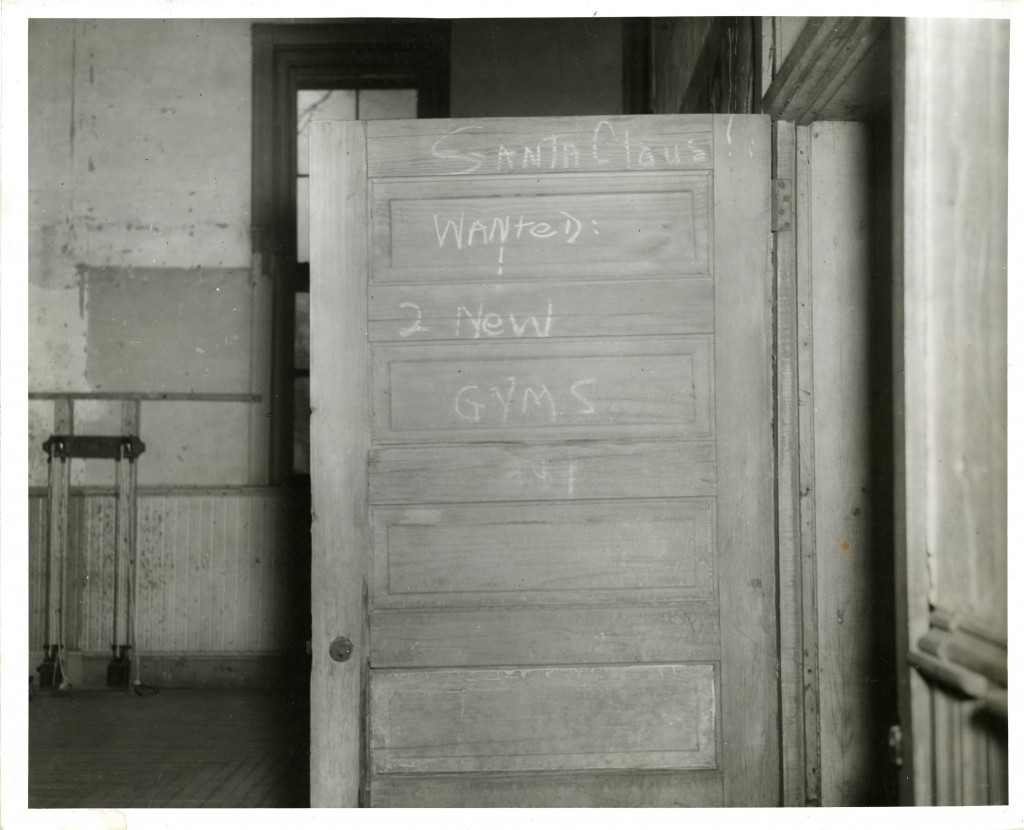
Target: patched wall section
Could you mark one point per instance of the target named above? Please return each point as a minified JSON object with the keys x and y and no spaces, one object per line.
{"x":140,"y":169}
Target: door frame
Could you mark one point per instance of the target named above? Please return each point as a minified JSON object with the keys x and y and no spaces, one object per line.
{"x":820,"y":79}
{"x":287,"y":56}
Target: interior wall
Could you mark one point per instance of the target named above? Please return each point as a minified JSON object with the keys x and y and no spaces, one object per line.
{"x":508,"y":67}
{"x":139,"y":188}
{"x":951,"y":126}
{"x":140,"y":181}
{"x":139,"y":281}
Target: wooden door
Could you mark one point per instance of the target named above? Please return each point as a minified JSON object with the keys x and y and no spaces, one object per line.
{"x":542,"y":463}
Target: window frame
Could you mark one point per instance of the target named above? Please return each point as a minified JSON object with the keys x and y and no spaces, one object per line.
{"x":382,"y":54}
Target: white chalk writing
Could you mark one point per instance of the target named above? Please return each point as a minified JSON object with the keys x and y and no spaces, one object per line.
{"x":491,"y":324}
{"x":417,"y":325}
{"x":606,"y":144}
{"x":480,"y":323}
{"x":552,"y":476}
{"x":455,"y":231}
{"x":460,"y":233}
{"x":518,"y":403}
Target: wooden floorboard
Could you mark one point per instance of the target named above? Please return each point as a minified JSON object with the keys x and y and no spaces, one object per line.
{"x":181,"y":748}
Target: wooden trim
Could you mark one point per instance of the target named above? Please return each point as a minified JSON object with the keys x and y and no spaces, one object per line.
{"x":359,"y":33}
{"x":807,"y":485}
{"x":199,"y":491}
{"x":178,"y":670}
{"x":340,"y":398}
{"x":962,"y":650}
{"x":850,"y":534}
{"x":259,"y":372}
{"x":743,"y":385}
{"x":958,"y":679}
{"x":910,"y":202}
{"x":825,"y":55}
{"x":787,"y":467}
{"x":953,"y":621}
{"x":764,"y":57}
{"x":211,"y":397}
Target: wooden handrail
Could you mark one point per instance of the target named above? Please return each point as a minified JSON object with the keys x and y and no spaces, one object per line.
{"x":223,"y":397}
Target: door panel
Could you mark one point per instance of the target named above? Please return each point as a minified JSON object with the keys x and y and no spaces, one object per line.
{"x":516,"y":472}
{"x":654,"y":788}
{"x":597,"y":226}
{"x":553,"y":391}
{"x":620,"y":633}
{"x":538,"y":554}
{"x":563,"y":507}
{"x":499,"y":720}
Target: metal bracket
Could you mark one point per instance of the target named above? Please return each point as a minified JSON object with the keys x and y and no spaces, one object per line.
{"x":782,"y":204}
{"x":113,"y":447}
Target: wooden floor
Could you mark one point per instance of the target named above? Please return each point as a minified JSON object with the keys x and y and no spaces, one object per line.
{"x":183,"y":748}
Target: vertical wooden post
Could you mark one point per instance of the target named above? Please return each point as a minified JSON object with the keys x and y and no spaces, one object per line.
{"x":951,"y":104}
{"x":341,"y":419}
{"x":787,"y":460}
{"x":847,"y":542}
{"x":124,"y":551}
{"x":63,"y":416}
{"x":743,"y":361}
{"x":260,"y":358}
{"x":127,"y":565}
{"x":57,"y":533}
{"x":806,"y":488}
{"x":131,"y":416}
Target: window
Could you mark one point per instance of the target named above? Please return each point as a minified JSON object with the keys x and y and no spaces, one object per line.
{"x":302,"y":73}
{"x":324,"y":105}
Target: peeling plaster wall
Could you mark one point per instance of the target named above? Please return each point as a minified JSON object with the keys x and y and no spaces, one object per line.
{"x":140,"y":186}
{"x":139,"y":190}
{"x":140,"y":183}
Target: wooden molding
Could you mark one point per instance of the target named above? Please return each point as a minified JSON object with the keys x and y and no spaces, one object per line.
{"x":960,"y":680}
{"x":809,"y":86}
{"x":961,"y":647}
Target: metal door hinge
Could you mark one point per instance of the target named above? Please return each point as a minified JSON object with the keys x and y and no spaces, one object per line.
{"x":782,"y":204}
{"x":896,"y":745}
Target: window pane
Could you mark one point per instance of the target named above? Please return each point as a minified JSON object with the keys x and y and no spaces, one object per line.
{"x":302,"y":218}
{"x":302,"y":330}
{"x":320,"y":105}
{"x":387,"y":103}
{"x":300,"y":431}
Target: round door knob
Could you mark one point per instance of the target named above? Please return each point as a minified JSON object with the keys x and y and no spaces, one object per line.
{"x":341,"y":649}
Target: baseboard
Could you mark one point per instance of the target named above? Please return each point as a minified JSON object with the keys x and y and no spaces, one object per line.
{"x":188,"y":671}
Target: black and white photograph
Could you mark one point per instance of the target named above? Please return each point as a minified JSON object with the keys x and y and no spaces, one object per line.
{"x":574,"y":409}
